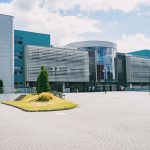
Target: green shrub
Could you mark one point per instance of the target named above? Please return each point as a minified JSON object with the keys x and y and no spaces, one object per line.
{"x":42,"y":81}
{"x":1,"y":87}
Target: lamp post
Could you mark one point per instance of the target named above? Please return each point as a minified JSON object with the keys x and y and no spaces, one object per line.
{"x":54,"y":68}
{"x":105,"y":73}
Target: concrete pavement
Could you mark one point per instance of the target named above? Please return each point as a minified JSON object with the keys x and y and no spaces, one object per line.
{"x":112,"y":121}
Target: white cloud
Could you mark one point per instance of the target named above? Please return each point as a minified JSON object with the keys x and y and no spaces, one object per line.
{"x":130,"y":43}
{"x":34,"y":16}
{"x":43,"y":16}
{"x":96,"y":5}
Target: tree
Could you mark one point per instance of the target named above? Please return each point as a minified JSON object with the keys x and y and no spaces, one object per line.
{"x":42,"y":81}
{"x":1,"y":86}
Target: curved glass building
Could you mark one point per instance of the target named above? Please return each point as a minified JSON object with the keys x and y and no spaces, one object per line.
{"x":101,"y":58}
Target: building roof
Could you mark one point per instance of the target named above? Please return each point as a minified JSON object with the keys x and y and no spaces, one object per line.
{"x":29,"y":32}
{"x":83,"y":44}
{"x":6,"y":15}
{"x":141,"y":53}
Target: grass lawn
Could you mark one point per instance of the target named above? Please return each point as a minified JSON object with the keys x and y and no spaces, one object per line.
{"x":30,"y":103}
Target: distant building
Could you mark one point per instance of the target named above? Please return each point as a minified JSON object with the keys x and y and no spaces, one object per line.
{"x":7,"y":52}
{"x":102,"y":66}
{"x":133,"y":71}
{"x":138,"y":71}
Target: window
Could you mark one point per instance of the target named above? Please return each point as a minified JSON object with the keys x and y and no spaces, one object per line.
{"x":18,"y":84}
{"x":18,"y":40}
{"x":18,"y":70}
{"x":18,"y":55}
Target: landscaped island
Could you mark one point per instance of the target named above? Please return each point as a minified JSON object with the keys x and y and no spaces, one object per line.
{"x":41,"y":102}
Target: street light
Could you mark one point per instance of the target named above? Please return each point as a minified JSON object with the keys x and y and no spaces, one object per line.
{"x":54,"y":68}
{"x":105,"y":77}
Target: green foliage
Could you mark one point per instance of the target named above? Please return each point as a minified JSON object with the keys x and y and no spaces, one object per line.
{"x":42,"y":81}
{"x":1,"y":86}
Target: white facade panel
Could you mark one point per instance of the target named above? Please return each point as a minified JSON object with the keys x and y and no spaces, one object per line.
{"x":137,"y":69}
{"x":7,"y":52}
{"x":73,"y":65}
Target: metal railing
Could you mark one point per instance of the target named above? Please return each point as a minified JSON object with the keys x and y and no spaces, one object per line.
{"x":9,"y":90}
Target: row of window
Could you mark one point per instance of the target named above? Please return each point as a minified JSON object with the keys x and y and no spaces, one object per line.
{"x":18,"y":55}
{"x":18,"y":83}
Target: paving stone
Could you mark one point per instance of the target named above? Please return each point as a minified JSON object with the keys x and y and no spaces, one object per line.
{"x":112,"y":121}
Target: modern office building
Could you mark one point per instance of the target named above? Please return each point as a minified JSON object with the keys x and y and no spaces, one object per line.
{"x":101,"y":58}
{"x":133,"y":71}
{"x":21,"y":39}
{"x":67,"y":68}
{"x":7,"y":52}
{"x":85,"y":65}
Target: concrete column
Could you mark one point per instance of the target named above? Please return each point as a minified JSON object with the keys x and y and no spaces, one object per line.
{"x":7,"y":52}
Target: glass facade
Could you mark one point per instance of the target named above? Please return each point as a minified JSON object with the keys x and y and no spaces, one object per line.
{"x":101,"y":56}
{"x":105,"y":63}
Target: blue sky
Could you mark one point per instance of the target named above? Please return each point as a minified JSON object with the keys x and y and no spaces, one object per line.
{"x":125,"y":22}
{"x":5,"y":1}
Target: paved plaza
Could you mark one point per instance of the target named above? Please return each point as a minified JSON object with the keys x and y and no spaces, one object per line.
{"x":112,"y":121}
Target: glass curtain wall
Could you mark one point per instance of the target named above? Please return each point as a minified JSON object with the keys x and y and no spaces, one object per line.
{"x":105,"y":63}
